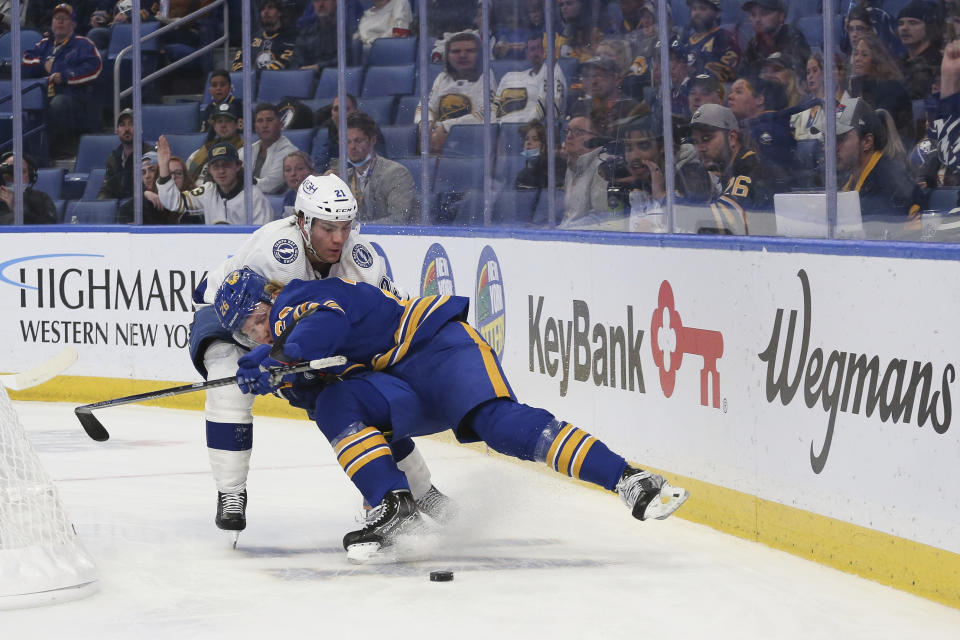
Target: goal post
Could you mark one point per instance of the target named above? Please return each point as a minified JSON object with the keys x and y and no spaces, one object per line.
{"x":41,"y":559}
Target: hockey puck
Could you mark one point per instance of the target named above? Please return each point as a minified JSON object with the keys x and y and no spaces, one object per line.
{"x":441,"y":576}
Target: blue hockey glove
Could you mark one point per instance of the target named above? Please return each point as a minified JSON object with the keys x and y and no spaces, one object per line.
{"x":253,"y":375}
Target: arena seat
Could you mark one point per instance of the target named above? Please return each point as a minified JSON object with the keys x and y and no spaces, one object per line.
{"x":50,"y":181}
{"x":183,"y":144}
{"x":327,"y":85}
{"x":92,"y":212}
{"x":406,"y":109}
{"x":400,"y":140}
{"x":390,"y":52}
{"x":94,"y":182}
{"x":289,"y":83}
{"x":165,"y":119}
{"x":93,"y":151}
{"x":380,"y":108}
{"x":466,"y":140}
{"x":389,"y":81}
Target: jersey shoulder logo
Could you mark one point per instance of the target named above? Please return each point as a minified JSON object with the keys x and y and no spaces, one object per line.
{"x":285,"y":251}
{"x":362,"y":256}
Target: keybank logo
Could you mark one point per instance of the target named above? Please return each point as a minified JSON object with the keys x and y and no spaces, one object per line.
{"x":670,"y":341}
{"x":436,"y":277}
{"x":490,"y":319}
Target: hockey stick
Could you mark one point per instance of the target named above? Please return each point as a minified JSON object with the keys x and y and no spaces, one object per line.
{"x":41,"y":372}
{"x":96,"y":430}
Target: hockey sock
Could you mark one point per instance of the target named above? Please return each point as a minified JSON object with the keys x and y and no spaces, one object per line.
{"x":229,"y":446}
{"x":366,"y":458}
{"x":574,"y":452}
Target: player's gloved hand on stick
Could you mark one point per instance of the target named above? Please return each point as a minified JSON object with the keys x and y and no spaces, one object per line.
{"x":253,"y":372}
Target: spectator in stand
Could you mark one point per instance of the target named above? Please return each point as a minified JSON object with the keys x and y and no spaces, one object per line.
{"x":6,"y":21}
{"x":329,"y":117}
{"x":226,"y":128}
{"x":581,"y":32}
{"x":71,"y":64}
{"x":633,"y":83}
{"x":522,"y":95}
{"x":779,"y":68}
{"x":221,"y":90}
{"x":758,"y":104}
{"x":632,"y":17}
{"x":747,"y":183}
{"x":617,"y":50}
{"x":385,"y":19}
{"x":220,"y":200}
{"x":947,"y":128}
{"x":38,"y":208}
{"x":601,"y":86}
{"x":534,"y":174}
{"x":809,"y":124}
{"x":316,"y":44}
{"x":273,"y":47}
{"x":586,"y":190}
{"x":875,"y":77}
{"x":533,"y":14}
{"x":118,"y":178}
{"x":920,"y":35}
{"x":772,"y":34}
{"x":297,"y":165}
{"x":709,"y":46}
{"x":885,"y":187}
{"x":446,"y":18}
{"x":457,"y":93}
{"x":508,"y":35}
{"x":704,"y":88}
{"x":177,"y":167}
{"x":269,"y":150}
{"x":868,"y":16}
{"x":153,"y":211}
{"x":384,"y":189}
{"x":641,"y":31}
{"x":308,"y":13}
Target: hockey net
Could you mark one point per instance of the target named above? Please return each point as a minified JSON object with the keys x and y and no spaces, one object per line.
{"x":41,"y":560}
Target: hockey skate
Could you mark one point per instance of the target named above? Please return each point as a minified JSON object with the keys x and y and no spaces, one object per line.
{"x":395,"y":516}
{"x":649,"y":495}
{"x":231,"y":513}
{"x":441,"y":508}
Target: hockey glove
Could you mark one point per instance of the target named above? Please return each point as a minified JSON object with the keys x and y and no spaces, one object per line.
{"x":253,"y":372}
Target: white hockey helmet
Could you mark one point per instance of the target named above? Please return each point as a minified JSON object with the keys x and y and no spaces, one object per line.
{"x":325,"y":198}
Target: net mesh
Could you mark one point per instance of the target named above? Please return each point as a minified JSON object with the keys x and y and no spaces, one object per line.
{"x":30,"y":509}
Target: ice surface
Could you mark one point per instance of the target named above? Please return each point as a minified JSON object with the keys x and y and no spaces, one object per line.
{"x":534,"y":556}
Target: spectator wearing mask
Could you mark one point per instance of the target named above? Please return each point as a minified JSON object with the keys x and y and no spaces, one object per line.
{"x":71,"y":63}
{"x":273,"y":47}
{"x":385,"y":19}
{"x":118,"y":178}
{"x":269,"y":149}
{"x":771,"y":34}
{"x":534,"y":174}
{"x":522,"y":95}
{"x":38,"y":207}
{"x":920,"y":35}
{"x":710,"y":47}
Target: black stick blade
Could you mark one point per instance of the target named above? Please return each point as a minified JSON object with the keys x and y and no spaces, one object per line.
{"x":91,"y":425}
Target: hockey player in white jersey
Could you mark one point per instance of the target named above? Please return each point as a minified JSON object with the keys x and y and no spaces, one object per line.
{"x":317,"y":242}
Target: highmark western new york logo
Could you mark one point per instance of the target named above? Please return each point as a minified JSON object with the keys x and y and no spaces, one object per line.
{"x":436,"y":277}
{"x":609,"y":354}
{"x":489,"y":308}
{"x":829,"y":379}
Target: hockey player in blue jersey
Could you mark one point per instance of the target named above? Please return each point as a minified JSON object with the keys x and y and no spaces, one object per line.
{"x":432,"y":353}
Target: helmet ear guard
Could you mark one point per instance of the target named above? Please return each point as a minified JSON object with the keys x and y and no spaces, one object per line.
{"x":325,"y":198}
{"x":239,"y":294}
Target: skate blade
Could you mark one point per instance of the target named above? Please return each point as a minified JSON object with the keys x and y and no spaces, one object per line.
{"x":408,"y":547}
{"x":666,"y":503}
{"x":234,"y":537}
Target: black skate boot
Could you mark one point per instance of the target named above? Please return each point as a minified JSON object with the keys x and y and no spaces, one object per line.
{"x":396,"y":515}
{"x":441,"y":508}
{"x":231,"y":511}
{"x":648,"y":495}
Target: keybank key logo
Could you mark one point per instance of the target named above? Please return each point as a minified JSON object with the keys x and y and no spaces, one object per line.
{"x":490,"y":318}
{"x":436,"y":277}
{"x":670,"y":341}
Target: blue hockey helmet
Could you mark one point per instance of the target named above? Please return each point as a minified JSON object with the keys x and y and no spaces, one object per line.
{"x":238,"y":295}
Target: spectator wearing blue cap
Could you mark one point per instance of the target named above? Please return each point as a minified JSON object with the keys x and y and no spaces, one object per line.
{"x":71,"y":64}
{"x":770,"y":35}
{"x":709,"y":46}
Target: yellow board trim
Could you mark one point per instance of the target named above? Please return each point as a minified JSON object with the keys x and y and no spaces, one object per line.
{"x":903,"y":564}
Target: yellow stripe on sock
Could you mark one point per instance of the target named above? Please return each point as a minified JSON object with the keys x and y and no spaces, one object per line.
{"x":582,"y":455}
{"x":351,"y":439}
{"x":563,"y":464}
{"x":552,"y":453}
{"x":362,"y":461}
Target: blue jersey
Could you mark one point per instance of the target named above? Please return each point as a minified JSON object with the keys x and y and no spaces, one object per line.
{"x":716,"y":51}
{"x":365,"y":324}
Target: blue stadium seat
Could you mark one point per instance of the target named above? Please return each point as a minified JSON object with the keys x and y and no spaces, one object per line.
{"x":506,"y":169}
{"x":314,"y":104}
{"x":406,"y":109}
{"x":327,"y":85}
{"x":515,"y":206}
{"x":93,"y":151}
{"x":388,"y":52}
{"x":61,"y":207}
{"x":276,"y":203}
{"x":812,"y":29}
{"x":121,"y":36}
{"x":458,"y":174}
{"x":467,"y":212}
{"x":400,"y":140}
{"x":501,"y":67}
{"x":183,"y":144}
{"x":33,"y":94}
{"x":164,"y":119}
{"x":570,"y":66}
{"x":510,"y":142}
{"x":415,"y":166}
{"x":434,"y":71}
{"x":944,"y":199}
{"x":94,"y":182}
{"x":389,"y":81}
{"x":28,"y":38}
{"x":50,"y":181}
{"x":380,"y":108}
{"x":681,"y":12}
{"x":92,"y":212}
{"x":466,"y":140}
{"x":301,"y":138}
{"x":801,"y":8}
{"x":276,"y":85}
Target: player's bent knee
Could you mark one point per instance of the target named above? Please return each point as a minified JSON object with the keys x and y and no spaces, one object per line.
{"x":510,"y":427}
{"x":226,"y":404}
{"x":342,"y":405}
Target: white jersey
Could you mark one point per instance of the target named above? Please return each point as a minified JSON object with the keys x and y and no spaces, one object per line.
{"x":380,"y":23}
{"x":522,"y":95}
{"x":457,"y":101}
{"x":215,"y":208}
{"x":276,"y":251}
